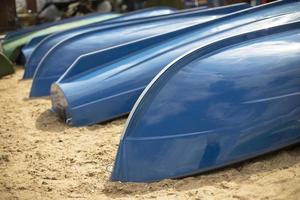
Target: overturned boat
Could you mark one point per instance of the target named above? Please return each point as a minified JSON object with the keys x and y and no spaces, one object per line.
{"x":28,"y":49}
{"x":6,"y":67}
{"x":49,"y":70}
{"x":12,"y":45}
{"x":57,"y":40}
{"x":225,"y":102}
{"x":111,"y":80}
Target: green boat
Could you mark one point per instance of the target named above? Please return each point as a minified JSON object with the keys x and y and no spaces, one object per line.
{"x":6,"y":67}
{"x":11,"y":46}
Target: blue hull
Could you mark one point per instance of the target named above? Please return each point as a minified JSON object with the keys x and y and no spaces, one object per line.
{"x":56,"y":39}
{"x":225,"y":102}
{"x":123,"y":72}
{"x":85,"y":43}
{"x":27,"y":50}
{"x":150,"y":12}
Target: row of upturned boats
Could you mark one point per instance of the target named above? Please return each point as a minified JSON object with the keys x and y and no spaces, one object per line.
{"x":205,"y":88}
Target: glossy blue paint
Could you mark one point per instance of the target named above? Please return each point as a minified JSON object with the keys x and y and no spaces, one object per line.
{"x":34,"y":57}
{"x":225,"y":102}
{"x":113,"y":83}
{"x":56,"y":39}
{"x":74,"y":47}
{"x":140,"y":14}
{"x":27,"y":50}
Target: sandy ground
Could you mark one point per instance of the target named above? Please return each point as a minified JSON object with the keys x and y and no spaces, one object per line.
{"x":41,"y":158}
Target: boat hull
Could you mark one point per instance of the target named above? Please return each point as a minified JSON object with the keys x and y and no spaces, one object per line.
{"x":85,"y":43}
{"x":12,"y":46}
{"x":55,"y":40}
{"x":123,"y":72}
{"x":222,"y":103}
{"x":28,"y":49}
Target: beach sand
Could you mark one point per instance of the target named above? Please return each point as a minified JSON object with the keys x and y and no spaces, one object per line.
{"x":42,"y":158}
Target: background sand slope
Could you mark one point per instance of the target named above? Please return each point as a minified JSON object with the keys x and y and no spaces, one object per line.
{"x":41,"y":158}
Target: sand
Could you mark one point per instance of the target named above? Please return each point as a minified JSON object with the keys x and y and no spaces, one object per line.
{"x":42,"y":158}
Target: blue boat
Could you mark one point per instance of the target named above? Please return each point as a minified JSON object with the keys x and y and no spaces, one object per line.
{"x":225,"y":102}
{"x":76,"y":46}
{"x":113,"y":83}
{"x":12,"y":45}
{"x":27,"y":50}
{"x":56,"y":39}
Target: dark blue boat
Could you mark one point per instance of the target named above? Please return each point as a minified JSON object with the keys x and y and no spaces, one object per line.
{"x":49,"y":70}
{"x":112,"y":80}
{"x":225,"y":102}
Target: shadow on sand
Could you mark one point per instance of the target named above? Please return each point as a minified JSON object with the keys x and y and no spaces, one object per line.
{"x":49,"y":122}
{"x":236,"y":174}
